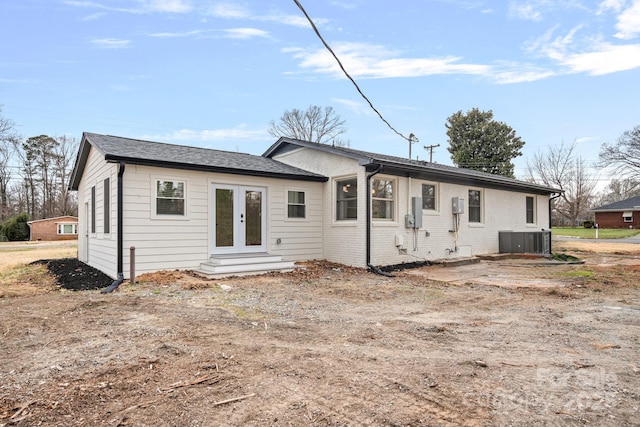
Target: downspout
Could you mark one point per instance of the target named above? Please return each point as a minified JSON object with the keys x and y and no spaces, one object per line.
{"x":373,"y":268}
{"x":551,"y":199}
{"x":120,"y":277}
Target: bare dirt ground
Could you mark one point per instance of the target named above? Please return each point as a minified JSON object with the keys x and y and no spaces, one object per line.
{"x":501,"y":343}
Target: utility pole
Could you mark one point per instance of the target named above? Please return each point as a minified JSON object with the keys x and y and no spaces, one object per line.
{"x":430,"y":148}
{"x":412,"y":139}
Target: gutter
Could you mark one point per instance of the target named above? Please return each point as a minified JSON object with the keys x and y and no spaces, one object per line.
{"x":120,"y":277}
{"x":551,"y":199}
{"x":373,"y":268}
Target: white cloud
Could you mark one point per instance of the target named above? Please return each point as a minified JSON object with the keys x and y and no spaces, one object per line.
{"x":169,"y":6}
{"x":239,"y":132}
{"x":178,"y":35}
{"x":591,"y":55}
{"x":229,"y":10}
{"x":525,"y":11}
{"x":615,"y":5}
{"x":111,"y":43}
{"x":245,"y":33}
{"x":628,"y":24}
{"x":358,"y":108}
{"x":374,"y":61}
{"x":143,"y":6}
{"x":604,"y":58}
{"x":233,"y":11}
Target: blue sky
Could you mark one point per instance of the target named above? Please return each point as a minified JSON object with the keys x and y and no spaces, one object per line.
{"x":214,"y":73}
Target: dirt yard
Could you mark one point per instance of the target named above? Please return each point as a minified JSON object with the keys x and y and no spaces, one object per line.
{"x":500,"y":343}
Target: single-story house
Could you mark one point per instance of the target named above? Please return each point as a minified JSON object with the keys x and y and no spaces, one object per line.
{"x":223,"y":212}
{"x":622,"y":214}
{"x":50,"y":229}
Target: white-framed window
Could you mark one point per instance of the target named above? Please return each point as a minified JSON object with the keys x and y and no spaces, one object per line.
{"x":296,"y":204}
{"x":347,"y":199}
{"x":475,"y":206}
{"x":530,"y":210}
{"x":382,"y":198}
{"x":627,"y":216}
{"x":170,"y":197}
{"x":67,"y":228}
{"x":429,"y":197}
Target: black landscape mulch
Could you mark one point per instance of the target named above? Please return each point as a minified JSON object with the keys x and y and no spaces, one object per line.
{"x":76,"y":275}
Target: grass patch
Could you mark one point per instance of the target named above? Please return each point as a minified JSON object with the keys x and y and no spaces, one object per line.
{"x":26,"y":280}
{"x":564,"y":257}
{"x":579,"y":273}
{"x":590,"y":233}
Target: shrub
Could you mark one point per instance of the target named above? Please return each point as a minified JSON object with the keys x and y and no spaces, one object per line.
{"x":16,"y":228}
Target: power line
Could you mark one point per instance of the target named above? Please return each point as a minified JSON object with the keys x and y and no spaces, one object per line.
{"x":409,"y":138}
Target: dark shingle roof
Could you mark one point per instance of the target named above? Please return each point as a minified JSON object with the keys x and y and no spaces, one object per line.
{"x":400,"y":164}
{"x":135,"y":151}
{"x":632,"y":203}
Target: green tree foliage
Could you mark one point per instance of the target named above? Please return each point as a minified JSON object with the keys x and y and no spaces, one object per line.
{"x":624,"y":155}
{"x":478,"y":142}
{"x":16,"y":228}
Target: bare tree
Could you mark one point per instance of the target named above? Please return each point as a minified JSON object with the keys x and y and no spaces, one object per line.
{"x":8,"y":139}
{"x":66,"y":204}
{"x":315,"y":125}
{"x":618,"y":189}
{"x":561,"y":168}
{"x":624,"y":155}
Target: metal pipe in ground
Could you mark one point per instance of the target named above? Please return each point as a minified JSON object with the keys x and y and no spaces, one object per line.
{"x":132,"y":265}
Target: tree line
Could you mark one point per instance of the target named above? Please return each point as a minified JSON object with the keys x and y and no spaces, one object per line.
{"x":35,"y":174}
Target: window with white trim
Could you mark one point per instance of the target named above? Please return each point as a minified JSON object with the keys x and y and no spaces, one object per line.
{"x":429,"y":197}
{"x":627,"y":216}
{"x":170,"y":197}
{"x":530,"y":210}
{"x":67,"y":228}
{"x":382,"y":198}
{"x":347,"y":199}
{"x":475,"y":206}
{"x":296,"y":204}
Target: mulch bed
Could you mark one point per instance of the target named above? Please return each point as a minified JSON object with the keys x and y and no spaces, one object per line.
{"x":75,"y":275}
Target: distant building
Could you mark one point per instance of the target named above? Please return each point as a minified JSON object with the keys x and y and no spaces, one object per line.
{"x":58,"y":228}
{"x":622,"y":214}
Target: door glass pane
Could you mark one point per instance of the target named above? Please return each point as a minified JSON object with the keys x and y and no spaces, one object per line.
{"x":224,"y":217}
{"x":253,"y":220}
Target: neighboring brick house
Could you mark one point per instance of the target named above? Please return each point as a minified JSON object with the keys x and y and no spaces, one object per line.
{"x":58,"y":228}
{"x":622,"y":214}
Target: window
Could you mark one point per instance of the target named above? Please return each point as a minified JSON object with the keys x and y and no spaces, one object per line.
{"x":170,"y":197}
{"x":627,"y":216}
{"x":382,"y":198}
{"x":67,"y":228}
{"x":429,"y":197}
{"x":531,"y":217}
{"x":296,"y":207}
{"x":347,"y":199}
{"x":475,"y":207}
{"x":93,"y":209}
{"x":107,"y":208}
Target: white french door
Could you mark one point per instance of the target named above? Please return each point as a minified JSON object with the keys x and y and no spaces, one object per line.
{"x":239,"y":220}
